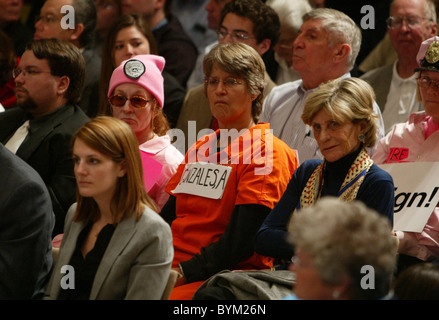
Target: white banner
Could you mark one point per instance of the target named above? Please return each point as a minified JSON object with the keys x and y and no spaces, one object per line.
{"x":204,"y":179}
{"x":416,"y":193}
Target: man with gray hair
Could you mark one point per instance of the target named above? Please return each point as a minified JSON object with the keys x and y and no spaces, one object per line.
{"x":50,"y":25}
{"x":410,"y":23}
{"x":326,"y":49}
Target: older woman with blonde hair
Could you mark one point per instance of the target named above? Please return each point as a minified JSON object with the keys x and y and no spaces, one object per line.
{"x":340,"y":113}
{"x":117,"y":246}
{"x":344,"y":251}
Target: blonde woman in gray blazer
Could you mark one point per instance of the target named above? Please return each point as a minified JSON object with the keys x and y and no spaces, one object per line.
{"x":115,"y":246}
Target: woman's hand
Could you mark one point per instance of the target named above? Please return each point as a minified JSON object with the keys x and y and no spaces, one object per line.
{"x":181,"y":280}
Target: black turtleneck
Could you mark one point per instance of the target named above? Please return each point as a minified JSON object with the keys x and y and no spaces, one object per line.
{"x":336,"y":172}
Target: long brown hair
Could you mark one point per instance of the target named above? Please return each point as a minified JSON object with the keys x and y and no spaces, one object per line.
{"x":107,"y":66}
{"x":115,"y":139}
{"x":160,"y":123}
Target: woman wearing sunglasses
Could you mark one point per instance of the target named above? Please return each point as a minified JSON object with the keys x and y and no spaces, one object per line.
{"x":136,"y":96}
{"x":131,"y":36}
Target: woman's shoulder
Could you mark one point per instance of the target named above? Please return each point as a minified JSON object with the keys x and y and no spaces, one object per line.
{"x":375,"y":173}
{"x":163,"y":150}
{"x":304,"y":171}
{"x":173,"y":155}
{"x":152,"y":220}
{"x":309,"y":165}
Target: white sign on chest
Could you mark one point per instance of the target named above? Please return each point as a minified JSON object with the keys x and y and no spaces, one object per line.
{"x":204,"y":179}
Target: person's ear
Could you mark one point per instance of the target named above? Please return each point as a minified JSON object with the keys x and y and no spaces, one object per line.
{"x":159,"y":4}
{"x":433,"y":30}
{"x":263,"y":46}
{"x":63,"y":85}
{"x":341,"y":52}
{"x":76,"y":33}
{"x":122,"y":169}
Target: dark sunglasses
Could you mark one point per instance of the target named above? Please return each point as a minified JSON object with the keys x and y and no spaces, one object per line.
{"x":136,"y":101}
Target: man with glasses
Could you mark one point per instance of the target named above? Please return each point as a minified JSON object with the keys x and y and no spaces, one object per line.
{"x":49,"y":82}
{"x":53,"y":22}
{"x":213,"y":8}
{"x":417,"y":140}
{"x":410,"y":23}
{"x":246,"y":21}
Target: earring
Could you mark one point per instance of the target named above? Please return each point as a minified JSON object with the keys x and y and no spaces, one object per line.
{"x":361,"y":137}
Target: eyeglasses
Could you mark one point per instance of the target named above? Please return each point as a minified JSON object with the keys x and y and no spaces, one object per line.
{"x":16,"y":72}
{"x":229,"y":83}
{"x":412,"y":21}
{"x":137,"y":102}
{"x":297,"y":262}
{"x":235,"y":35}
{"x":426,"y":82}
{"x":47,"y":19}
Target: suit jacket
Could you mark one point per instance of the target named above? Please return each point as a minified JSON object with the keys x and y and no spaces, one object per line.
{"x":177,"y":48}
{"x":136,"y":264}
{"x":380,"y":79}
{"x":48,"y":151}
{"x":90,"y":95}
{"x":174,"y":97}
{"x":26,"y":223}
{"x":196,"y":107}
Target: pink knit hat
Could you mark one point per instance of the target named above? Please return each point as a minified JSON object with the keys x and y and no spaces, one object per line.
{"x":144,"y":70}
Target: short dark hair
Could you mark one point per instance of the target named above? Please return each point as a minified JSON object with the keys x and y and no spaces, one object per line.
{"x":86,"y":13}
{"x":64,"y":59}
{"x":265,"y":20}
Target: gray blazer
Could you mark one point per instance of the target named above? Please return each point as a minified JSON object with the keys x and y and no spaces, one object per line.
{"x":136,"y":264}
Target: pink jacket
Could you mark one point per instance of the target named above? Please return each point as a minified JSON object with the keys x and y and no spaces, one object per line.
{"x":406,"y":143}
{"x":161,"y":150}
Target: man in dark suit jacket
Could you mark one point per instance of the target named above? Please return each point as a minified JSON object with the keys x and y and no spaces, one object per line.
{"x":81,"y":34}
{"x":173,"y":42}
{"x":26,"y":223}
{"x":49,"y":82}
